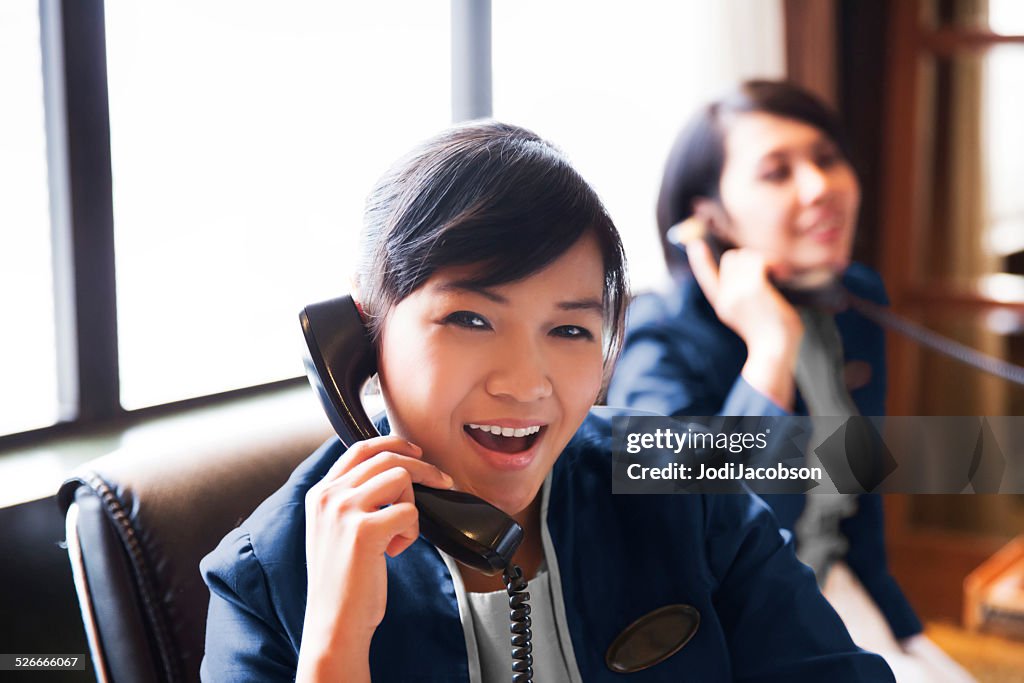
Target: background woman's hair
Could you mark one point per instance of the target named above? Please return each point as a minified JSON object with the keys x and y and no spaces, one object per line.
{"x":695,"y":163}
{"x":487,"y":194}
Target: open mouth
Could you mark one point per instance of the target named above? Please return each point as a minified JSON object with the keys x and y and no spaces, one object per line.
{"x":828,"y":227}
{"x":509,"y":440}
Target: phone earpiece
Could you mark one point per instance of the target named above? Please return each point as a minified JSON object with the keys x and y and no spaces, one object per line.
{"x":339,"y":359}
{"x":693,"y":228}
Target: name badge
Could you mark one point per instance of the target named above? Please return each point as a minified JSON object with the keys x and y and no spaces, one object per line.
{"x":652,"y":638}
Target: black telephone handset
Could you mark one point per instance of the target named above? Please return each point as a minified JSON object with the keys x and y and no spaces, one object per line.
{"x":339,"y":359}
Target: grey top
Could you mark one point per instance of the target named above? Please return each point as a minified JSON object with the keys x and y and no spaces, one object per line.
{"x":546,"y":603}
{"x":819,"y":376}
{"x":491,"y":626}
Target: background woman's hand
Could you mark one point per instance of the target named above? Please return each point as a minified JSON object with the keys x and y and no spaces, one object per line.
{"x":361,"y":509}
{"x":744,"y":299}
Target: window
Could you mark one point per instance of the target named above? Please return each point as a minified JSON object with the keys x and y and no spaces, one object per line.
{"x":611,"y":84}
{"x":955,"y":214}
{"x":210,"y":175}
{"x":28,"y":369}
{"x":240,"y":166}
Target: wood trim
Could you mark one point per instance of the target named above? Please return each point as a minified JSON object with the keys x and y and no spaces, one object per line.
{"x":947,"y":297}
{"x":929,"y":565}
{"x":810,"y":39}
{"x":900,"y":147}
{"x":947,"y":42}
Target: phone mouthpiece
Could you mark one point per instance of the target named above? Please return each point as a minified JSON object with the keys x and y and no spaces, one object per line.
{"x":471,"y":530}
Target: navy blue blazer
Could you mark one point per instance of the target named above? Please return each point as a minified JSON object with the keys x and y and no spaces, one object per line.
{"x":679,"y":359}
{"x":619,"y":557}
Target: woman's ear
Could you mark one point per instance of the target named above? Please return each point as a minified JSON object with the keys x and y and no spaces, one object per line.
{"x":353,"y":290}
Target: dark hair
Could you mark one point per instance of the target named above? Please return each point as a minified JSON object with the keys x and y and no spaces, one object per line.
{"x":695,"y":163}
{"x":487,"y":194}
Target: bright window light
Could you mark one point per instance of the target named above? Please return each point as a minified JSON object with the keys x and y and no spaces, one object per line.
{"x":28,"y":370}
{"x":611,"y":83}
{"x":245,"y":137}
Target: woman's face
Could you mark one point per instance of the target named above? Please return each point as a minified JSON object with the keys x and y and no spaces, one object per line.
{"x":458,"y":363}
{"x":790,"y":194}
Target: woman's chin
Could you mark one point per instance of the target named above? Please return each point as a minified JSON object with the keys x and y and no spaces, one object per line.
{"x":815,"y":277}
{"x":512,"y":503}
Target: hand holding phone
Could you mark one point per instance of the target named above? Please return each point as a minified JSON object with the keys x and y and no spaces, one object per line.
{"x":361,"y":509}
{"x":743,"y":297}
{"x":737,"y":285}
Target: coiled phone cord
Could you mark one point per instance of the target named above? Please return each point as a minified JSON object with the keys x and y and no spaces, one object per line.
{"x":522,"y":648}
{"x":964,"y":354}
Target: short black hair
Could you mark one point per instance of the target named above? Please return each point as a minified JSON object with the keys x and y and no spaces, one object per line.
{"x":695,"y":163}
{"x":487,"y":194}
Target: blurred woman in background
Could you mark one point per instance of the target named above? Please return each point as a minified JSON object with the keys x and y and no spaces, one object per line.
{"x":764,"y":175}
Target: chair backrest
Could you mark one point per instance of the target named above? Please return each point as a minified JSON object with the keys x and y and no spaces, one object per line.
{"x":139,"y":522}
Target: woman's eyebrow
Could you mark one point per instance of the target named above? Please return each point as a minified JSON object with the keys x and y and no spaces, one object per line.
{"x":589,"y":303}
{"x":582,"y":304}
{"x":775,"y":154}
{"x":470,"y":286}
{"x":812,"y":146}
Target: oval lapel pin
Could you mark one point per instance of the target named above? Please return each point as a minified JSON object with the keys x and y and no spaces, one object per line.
{"x":652,"y":638}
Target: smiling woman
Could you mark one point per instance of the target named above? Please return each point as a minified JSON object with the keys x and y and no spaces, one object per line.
{"x":510,"y":357}
{"x":493,"y":284}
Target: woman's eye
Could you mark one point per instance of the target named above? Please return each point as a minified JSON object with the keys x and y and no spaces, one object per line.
{"x":468,"y":319}
{"x":572,"y":332}
{"x":827,"y":159}
{"x":776,"y":174}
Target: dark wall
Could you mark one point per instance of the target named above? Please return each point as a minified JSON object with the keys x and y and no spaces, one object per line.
{"x":38,"y":608}
{"x":861,"y":59}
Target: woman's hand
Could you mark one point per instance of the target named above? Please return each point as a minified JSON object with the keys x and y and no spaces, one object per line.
{"x":362,"y":509}
{"x":745,"y":300}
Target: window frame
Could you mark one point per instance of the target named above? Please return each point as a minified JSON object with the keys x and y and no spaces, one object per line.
{"x":76,"y":106}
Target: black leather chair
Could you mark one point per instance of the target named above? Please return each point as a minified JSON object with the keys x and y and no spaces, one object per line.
{"x":139,"y":521}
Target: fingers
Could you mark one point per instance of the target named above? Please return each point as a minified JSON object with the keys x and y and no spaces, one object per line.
{"x":357,"y":510}
{"x":779,"y":270}
{"x":384,"y":480}
{"x":371,"y":485}
{"x":744,"y":265}
{"x":402,"y":521}
{"x":364,"y":450}
{"x":390,"y":487}
{"x":397,"y":524}
{"x":704,"y":268}
{"x":419,"y":471}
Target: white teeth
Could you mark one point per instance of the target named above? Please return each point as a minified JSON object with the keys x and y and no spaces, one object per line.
{"x":506,"y":431}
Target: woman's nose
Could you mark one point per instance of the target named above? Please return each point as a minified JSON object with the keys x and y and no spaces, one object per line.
{"x":813,"y":183}
{"x":520,"y":373}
